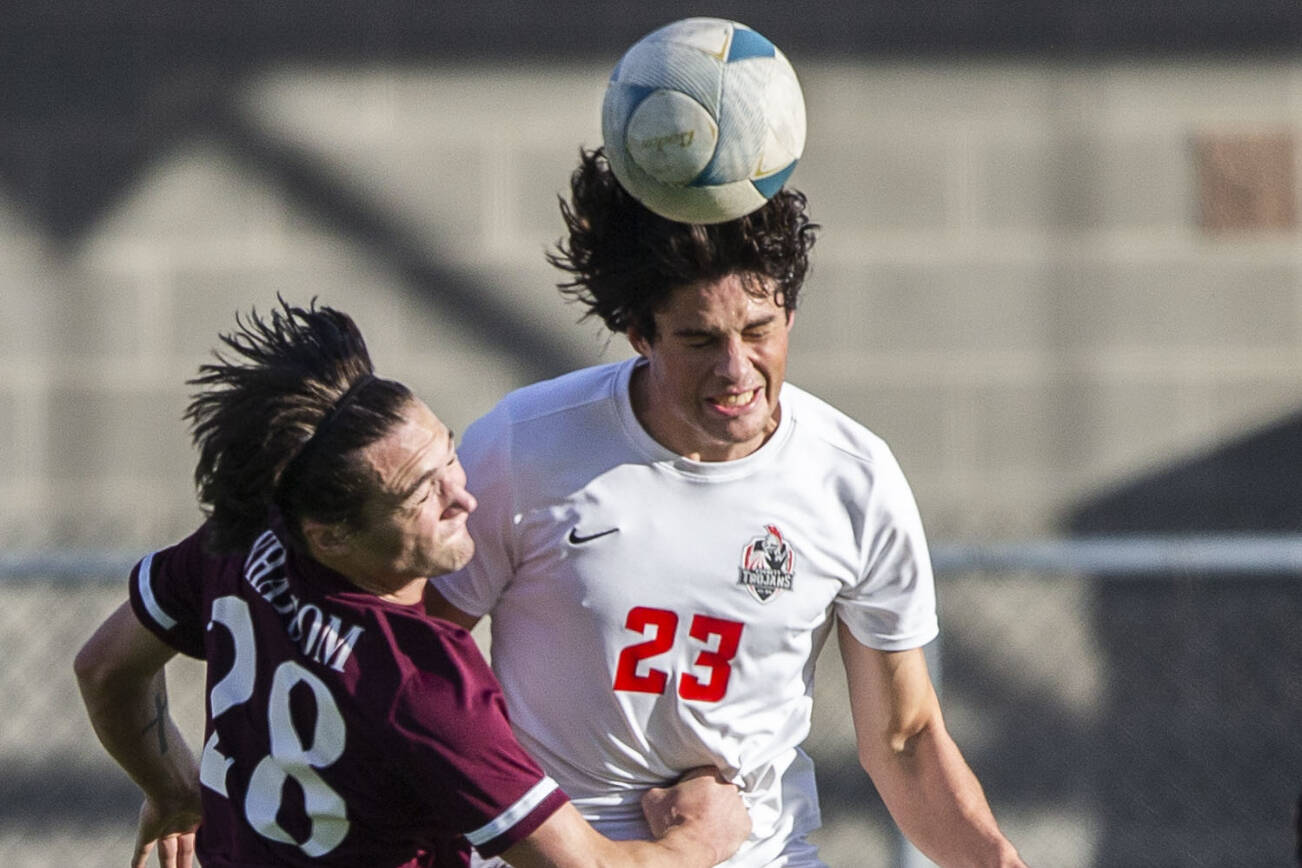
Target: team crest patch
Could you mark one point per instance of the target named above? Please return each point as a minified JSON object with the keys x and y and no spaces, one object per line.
{"x":768,"y":565}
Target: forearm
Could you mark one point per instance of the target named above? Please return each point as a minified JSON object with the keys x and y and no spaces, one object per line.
{"x":566,"y":840}
{"x":937,"y":801}
{"x":129,"y":713}
{"x":678,"y":849}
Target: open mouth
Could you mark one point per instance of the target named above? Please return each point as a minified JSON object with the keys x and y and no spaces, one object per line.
{"x":735,"y":401}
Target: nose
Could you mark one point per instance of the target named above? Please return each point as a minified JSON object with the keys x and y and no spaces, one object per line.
{"x":460,"y":501}
{"x":732,"y":363}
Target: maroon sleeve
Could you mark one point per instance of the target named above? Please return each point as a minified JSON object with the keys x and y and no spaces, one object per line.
{"x":166,"y":593}
{"x":465,"y":761}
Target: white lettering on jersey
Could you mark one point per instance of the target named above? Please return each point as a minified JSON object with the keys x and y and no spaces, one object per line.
{"x":318,"y":637}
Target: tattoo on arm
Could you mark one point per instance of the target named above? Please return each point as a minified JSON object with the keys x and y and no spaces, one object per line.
{"x":160,"y":720}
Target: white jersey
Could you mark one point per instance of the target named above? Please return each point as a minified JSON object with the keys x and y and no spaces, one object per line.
{"x":651,"y":613}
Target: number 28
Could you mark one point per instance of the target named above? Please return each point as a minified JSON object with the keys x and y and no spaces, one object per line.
{"x":662,"y":626}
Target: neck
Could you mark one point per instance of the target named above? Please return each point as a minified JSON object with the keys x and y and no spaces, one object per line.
{"x":395,"y":590}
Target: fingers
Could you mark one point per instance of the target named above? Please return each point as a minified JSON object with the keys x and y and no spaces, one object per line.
{"x":141,"y":856}
{"x":702,"y":772}
{"x":174,"y":851}
{"x":167,"y":851}
{"x":185,"y":850}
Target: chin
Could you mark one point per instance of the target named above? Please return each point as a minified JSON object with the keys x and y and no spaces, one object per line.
{"x":740,"y":434}
{"x":458,"y":555}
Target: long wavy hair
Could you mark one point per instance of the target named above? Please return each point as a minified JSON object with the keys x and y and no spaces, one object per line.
{"x":624,"y":260}
{"x":280,"y":418}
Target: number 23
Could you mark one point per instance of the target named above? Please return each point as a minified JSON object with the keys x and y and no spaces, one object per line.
{"x":663,"y":626}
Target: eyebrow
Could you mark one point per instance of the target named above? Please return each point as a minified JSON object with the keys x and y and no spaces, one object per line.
{"x":711,"y":332}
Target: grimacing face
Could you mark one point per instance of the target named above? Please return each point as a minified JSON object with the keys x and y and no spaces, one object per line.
{"x":714,"y":372}
{"x":414,"y":524}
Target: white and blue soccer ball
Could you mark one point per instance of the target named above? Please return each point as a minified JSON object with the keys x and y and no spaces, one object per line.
{"x":703,"y":120}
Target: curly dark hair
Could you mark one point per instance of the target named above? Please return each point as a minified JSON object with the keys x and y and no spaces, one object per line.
{"x":280,"y":420}
{"x":625,"y":260}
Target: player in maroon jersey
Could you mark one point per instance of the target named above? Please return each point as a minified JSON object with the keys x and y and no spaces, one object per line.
{"x":344,"y":726}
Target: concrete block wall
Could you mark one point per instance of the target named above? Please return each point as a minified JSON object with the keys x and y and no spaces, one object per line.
{"x":1012,"y":285}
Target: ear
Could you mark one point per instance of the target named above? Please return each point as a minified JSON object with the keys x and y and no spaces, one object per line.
{"x":638,"y":341}
{"x":325,"y":541}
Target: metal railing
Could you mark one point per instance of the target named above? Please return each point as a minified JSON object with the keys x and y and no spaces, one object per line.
{"x":1201,"y":630}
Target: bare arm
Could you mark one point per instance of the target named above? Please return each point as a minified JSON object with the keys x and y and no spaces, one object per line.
{"x":698,"y":823}
{"x":914,"y":763}
{"x":120,"y":673}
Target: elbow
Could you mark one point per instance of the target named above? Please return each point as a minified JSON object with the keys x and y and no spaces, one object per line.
{"x":896,"y":745}
{"x":88,"y":666}
{"x":97,"y":669}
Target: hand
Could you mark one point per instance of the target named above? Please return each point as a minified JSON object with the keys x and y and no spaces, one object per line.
{"x":171,"y":827}
{"x":703,"y":805}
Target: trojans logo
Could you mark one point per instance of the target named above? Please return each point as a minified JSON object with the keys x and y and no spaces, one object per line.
{"x":768,"y":565}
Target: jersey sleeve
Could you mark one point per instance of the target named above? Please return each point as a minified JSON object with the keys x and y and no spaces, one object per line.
{"x":486,"y":455}
{"x":893,"y":605}
{"x":463,"y":756}
{"x":166,"y":594}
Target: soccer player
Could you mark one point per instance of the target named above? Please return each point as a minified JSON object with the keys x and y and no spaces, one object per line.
{"x":345,"y":727}
{"x":666,"y":542}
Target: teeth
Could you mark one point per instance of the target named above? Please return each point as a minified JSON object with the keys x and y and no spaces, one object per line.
{"x":737,"y":400}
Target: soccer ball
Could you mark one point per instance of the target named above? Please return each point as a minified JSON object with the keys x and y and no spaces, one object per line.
{"x":703,"y":120}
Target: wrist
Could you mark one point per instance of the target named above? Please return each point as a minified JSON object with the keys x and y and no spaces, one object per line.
{"x":693,"y":849}
{"x":174,"y":780}
{"x":1002,"y":854}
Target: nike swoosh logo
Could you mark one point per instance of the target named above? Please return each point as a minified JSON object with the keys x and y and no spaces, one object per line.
{"x":575,"y":539}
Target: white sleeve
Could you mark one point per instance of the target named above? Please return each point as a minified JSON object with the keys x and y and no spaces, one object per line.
{"x":893,"y":606}
{"x":485,"y":452}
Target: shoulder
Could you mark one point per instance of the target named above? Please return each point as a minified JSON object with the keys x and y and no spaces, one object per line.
{"x":168,"y":587}
{"x":438,"y":667}
{"x":448,"y":710}
{"x":536,"y":428}
{"x":818,"y":422}
{"x":551,"y":398}
{"x":430,"y":650}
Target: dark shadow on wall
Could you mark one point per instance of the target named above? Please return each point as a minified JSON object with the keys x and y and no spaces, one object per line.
{"x":93,"y":93}
{"x":79,"y":128}
{"x":460,"y":296}
{"x":1197,"y":760}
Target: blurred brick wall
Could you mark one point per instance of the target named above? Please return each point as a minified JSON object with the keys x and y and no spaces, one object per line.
{"x":1015,"y":283}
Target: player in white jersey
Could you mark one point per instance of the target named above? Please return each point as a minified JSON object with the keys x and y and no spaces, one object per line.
{"x":664,"y":544}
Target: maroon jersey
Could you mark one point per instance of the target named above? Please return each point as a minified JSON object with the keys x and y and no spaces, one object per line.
{"x":342,"y":729}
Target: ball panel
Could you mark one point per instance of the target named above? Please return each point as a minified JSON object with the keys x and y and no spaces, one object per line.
{"x":693,"y":204}
{"x":673,"y":67}
{"x":769,"y":186}
{"x":618,"y":106}
{"x":671,"y":136}
{"x":743,"y":124}
{"x":711,"y":36}
{"x":746,"y":43}
{"x":786,"y":106}
{"x":774,"y":157}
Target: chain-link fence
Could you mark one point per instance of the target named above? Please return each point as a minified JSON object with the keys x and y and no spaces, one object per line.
{"x":1124,"y":705}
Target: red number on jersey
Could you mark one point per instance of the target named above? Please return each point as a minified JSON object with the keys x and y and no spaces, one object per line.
{"x":717,"y":661}
{"x":664,"y":625}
